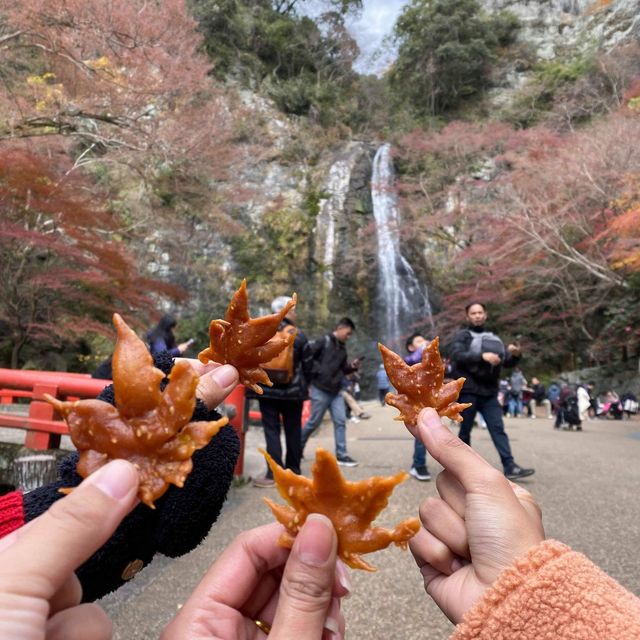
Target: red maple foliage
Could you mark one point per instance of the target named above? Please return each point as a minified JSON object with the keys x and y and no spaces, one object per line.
{"x":62,"y":269}
{"x":541,"y":226}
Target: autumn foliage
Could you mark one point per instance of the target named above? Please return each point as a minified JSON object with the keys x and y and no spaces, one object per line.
{"x":543,"y":226}
{"x":62,"y":272}
{"x":111,"y":128}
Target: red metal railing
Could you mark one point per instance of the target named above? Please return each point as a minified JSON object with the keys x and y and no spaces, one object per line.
{"x":41,"y":423}
{"x":44,"y":427}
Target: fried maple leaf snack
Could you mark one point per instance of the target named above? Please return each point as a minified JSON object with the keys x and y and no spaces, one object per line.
{"x":245,"y":342}
{"x":421,"y":385}
{"x":351,"y":507}
{"x":148,"y":427}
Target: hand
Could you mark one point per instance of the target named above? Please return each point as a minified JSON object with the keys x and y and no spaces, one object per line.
{"x":216,"y":381}
{"x":477,"y":528}
{"x":492,"y":358}
{"x":39,"y":592}
{"x":296,"y":592}
{"x":183,"y":346}
{"x":514,"y":349}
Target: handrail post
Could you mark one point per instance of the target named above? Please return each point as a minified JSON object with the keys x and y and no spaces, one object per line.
{"x":43,"y":411}
{"x":238,"y":400}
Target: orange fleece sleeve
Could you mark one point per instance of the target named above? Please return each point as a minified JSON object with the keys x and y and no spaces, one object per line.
{"x":553,"y":593}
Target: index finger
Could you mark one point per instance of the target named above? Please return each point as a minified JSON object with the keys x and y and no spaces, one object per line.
{"x":42,"y":557}
{"x":467,"y":466}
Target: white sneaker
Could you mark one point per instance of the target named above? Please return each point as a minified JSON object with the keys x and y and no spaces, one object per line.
{"x":354,"y":419}
{"x":420,"y":473}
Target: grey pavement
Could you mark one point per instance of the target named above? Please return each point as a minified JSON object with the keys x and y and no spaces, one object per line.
{"x":586,"y":482}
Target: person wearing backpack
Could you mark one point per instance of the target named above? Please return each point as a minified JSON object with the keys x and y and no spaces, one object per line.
{"x":330,"y":365}
{"x":478,"y":356}
{"x":281,"y":404}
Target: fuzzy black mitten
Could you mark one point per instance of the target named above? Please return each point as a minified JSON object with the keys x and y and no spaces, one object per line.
{"x":180,"y":521}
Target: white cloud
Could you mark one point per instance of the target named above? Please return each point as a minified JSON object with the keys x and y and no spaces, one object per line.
{"x":370,"y":28}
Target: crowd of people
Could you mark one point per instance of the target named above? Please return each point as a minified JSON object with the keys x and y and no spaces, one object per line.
{"x":569,"y":404}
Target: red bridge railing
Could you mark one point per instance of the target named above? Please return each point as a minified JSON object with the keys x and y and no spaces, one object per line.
{"x":44,"y":427}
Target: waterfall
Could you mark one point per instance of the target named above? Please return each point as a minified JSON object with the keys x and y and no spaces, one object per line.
{"x":404,"y":301}
{"x":337,"y":188}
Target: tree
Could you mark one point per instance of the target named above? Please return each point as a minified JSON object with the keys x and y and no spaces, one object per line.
{"x":445,"y":48}
{"x":547,"y":235}
{"x":304,"y":65}
{"x":112,"y":84}
{"x":62,"y":269}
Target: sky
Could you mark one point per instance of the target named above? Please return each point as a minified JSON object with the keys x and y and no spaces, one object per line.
{"x":369,"y":28}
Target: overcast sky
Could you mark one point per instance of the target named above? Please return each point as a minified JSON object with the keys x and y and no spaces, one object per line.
{"x":374,"y":23}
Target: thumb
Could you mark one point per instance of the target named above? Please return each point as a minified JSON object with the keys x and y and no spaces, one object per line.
{"x":307,"y":583}
{"x":53,"y":545}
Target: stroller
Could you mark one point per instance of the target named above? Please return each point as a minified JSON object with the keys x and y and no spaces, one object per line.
{"x":571,"y":413}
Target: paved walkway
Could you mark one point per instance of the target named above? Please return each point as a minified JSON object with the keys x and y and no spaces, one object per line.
{"x":587,"y":483}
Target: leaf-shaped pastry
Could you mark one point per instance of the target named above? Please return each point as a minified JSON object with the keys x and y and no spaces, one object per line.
{"x":149,"y":427}
{"x":351,"y":507}
{"x":247,"y":342}
{"x":420,"y":385}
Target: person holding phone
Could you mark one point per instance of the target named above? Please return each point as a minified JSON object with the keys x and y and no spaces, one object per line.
{"x":478,"y":355}
{"x":161,"y":338}
{"x":330,"y":365}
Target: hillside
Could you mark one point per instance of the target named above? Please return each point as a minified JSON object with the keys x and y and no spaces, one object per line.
{"x":241,"y":142}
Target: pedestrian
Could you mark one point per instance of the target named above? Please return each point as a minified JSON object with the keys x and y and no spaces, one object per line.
{"x":539,"y":398}
{"x":478,"y":355}
{"x":584,"y":402}
{"x":553,"y":393}
{"x":383,"y":382}
{"x":568,"y":412}
{"x":415,"y":345}
{"x":330,"y":365}
{"x":281,"y":404}
{"x":354,"y":410}
{"x":518,"y":383}
{"x":161,"y":338}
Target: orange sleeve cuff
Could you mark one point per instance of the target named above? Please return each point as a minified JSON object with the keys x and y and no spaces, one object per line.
{"x":552,"y":593}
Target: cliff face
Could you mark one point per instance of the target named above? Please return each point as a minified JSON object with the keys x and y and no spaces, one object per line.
{"x":551,"y":27}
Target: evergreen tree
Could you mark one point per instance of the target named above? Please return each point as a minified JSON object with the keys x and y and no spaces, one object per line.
{"x":445,"y":48}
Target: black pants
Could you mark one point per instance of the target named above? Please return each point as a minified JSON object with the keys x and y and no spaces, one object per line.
{"x":291,"y":413}
{"x":491,"y":411}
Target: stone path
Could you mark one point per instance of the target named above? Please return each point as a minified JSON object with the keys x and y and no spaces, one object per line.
{"x":587,"y":483}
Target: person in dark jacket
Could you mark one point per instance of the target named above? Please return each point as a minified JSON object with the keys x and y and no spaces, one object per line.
{"x":281,"y":404}
{"x":330,"y":365}
{"x":415,"y":345}
{"x":479,"y":355}
{"x":161,"y":338}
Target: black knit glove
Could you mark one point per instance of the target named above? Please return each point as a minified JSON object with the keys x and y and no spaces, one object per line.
{"x":180,"y":521}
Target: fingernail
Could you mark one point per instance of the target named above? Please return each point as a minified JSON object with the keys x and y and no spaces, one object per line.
{"x":116,"y":479}
{"x":314,"y":543}
{"x":225,"y":375}
{"x":331,"y":624}
{"x":342,"y":574}
{"x":455,"y":565}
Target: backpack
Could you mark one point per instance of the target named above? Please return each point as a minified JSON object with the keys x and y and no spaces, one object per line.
{"x":280,"y":368}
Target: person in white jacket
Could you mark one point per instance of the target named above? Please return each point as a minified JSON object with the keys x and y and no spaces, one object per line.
{"x":584,"y":403}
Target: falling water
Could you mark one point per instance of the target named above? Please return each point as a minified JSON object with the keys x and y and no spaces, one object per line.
{"x":404,"y":300}
{"x":337,"y":188}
